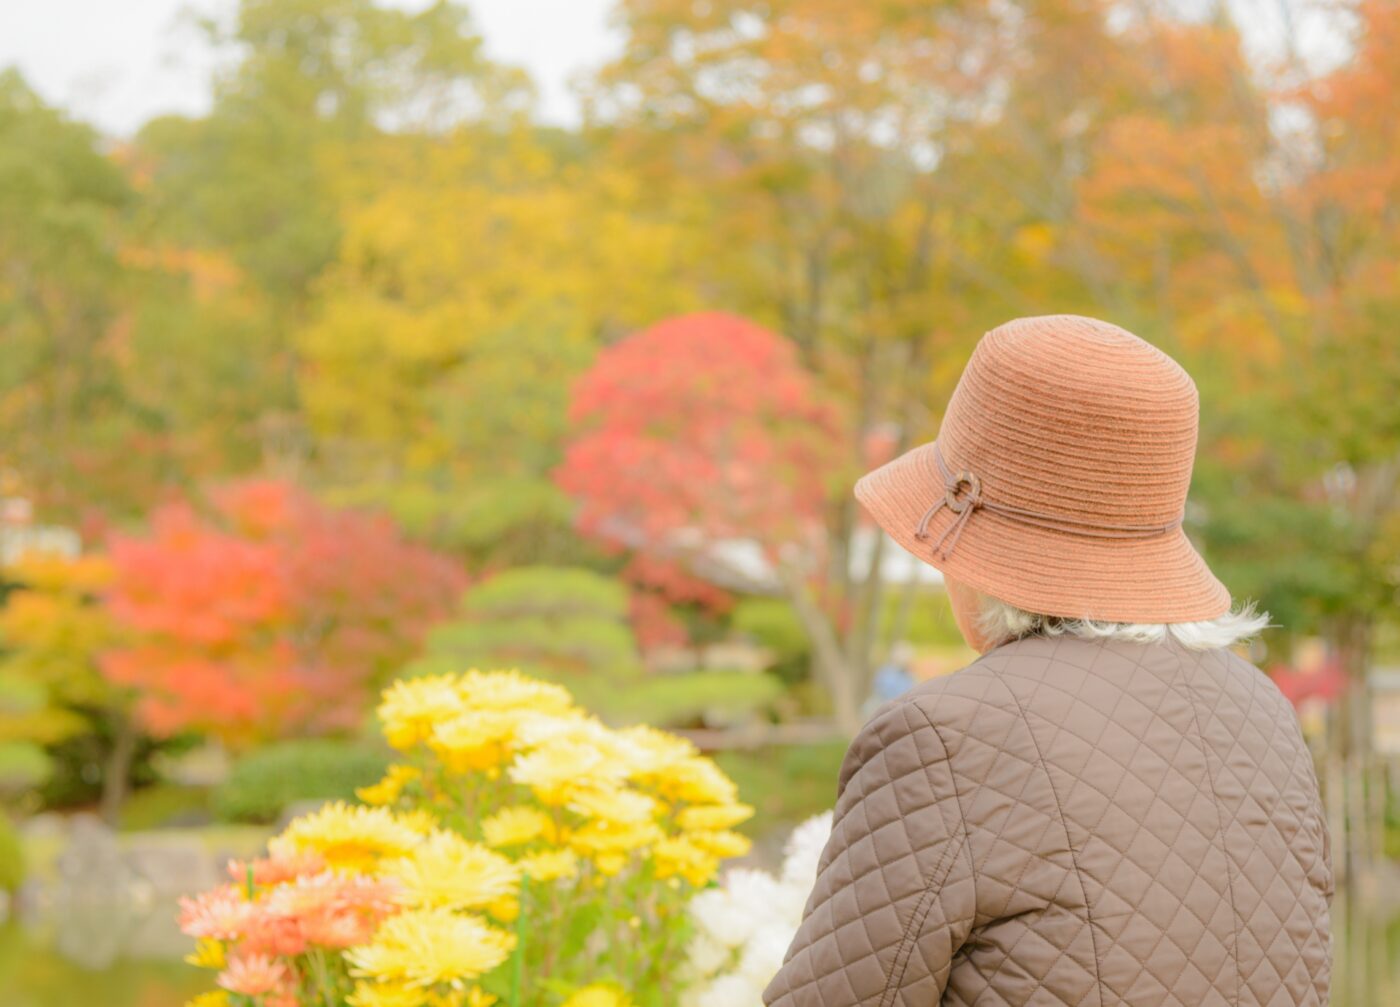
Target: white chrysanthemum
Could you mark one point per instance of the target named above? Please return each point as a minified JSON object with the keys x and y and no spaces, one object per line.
{"x":721,"y":915}
{"x":804,"y":850}
{"x":744,"y":927}
{"x":763,"y":956}
{"x":789,"y":901}
{"x":730,"y":991}
{"x":707,"y":957}
{"x":763,"y":902}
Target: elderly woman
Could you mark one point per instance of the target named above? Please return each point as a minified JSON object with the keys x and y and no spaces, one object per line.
{"x":1110,"y":806}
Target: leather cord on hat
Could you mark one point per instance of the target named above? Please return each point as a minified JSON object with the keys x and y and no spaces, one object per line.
{"x":973,"y":500}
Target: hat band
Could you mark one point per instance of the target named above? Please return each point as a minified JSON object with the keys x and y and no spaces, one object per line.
{"x":962,"y":494}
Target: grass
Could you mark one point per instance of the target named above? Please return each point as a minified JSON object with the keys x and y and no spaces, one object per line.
{"x":785,"y":785}
{"x":164,"y":805}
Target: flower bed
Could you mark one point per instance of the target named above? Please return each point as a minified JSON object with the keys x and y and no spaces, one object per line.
{"x":519,"y":853}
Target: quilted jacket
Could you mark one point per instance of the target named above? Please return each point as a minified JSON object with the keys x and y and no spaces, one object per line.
{"x":1073,"y":822}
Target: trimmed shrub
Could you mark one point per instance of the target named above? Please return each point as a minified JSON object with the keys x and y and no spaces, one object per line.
{"x":710,"y":696}
{"x":265,"y":782}
{"x":23,"y":766}
{"x":771,"y":623}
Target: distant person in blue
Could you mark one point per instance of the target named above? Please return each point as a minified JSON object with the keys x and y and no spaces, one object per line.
{"x":893,"y":678}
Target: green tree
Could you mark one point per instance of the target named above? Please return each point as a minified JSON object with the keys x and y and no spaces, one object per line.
{"x":312,"y":86}
{"x":60,"y":281}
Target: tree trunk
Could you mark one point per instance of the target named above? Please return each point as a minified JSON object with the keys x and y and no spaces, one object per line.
{"x":835,"y":672}
{"x":1357,"y":860}
{"x":867,"y":612}
{"x":117,"y":771}
{"x":899,"y":627}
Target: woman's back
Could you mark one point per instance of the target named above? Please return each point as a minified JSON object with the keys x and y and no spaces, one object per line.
{"x":1070,"y":821}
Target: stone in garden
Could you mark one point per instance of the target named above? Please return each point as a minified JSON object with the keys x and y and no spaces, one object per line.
{"x":172,"y":865}
{"x":91,"y":904}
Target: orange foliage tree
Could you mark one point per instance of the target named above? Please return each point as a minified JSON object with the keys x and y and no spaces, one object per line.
{"x":268,"y":614}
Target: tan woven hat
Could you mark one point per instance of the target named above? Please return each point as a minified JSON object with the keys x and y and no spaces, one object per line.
{"x":1058,"y":480}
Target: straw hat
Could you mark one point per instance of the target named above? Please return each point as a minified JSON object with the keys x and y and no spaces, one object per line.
{"x":1058,"y":480}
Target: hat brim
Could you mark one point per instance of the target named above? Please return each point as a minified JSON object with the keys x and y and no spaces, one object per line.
{"x":1159,"y":579}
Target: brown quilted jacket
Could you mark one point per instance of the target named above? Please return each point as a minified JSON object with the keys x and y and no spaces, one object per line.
{"x":1072,"y":822}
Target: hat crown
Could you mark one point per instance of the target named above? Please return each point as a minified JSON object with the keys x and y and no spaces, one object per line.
{"x":1062,"y":414}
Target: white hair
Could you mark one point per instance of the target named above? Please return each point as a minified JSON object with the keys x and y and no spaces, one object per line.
{"x":1001,"y":622}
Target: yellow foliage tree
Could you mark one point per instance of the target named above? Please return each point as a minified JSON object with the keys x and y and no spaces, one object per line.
{"x":471,"y":287}
{"x":52,"y":629}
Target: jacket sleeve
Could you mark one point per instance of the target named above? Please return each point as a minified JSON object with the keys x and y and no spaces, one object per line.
{"x":1329,"y":882}
{"x":1325,"y":866}
{"x":894,"y":897}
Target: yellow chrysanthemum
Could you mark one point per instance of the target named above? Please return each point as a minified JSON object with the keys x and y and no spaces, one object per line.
{"x":208,"y":954}
{"x":696,"y":780}
{"x":420,"y":820}
{"x":214,"y":998}
{"x":349,"y":837}
{"x":549,"y":865}
{"x":679,"y":857}
{"x":426,"y":946}
{"x":504,"y":909}
{"x":387,"y":790}
{"x":562,"y":767}
{"x":652,"y":752}
{"x":368,"y":994}
{"x":475,"y":740}
{"x":572,"y":726}
{"x":510,"y":690}
{"x":604,"y":836}
{"x":610,"y":864}
{"x":614,"y":804}
{"x":711,"y":817}
{"x":721,"y":843}
{"x":447,"y":870}
{"x":599,"y":995}
{"x":474,"y":997}
{"x":516,"y":825}
{"x":412,"y":707}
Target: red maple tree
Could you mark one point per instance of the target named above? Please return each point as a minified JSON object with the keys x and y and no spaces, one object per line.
{"x":699,"y":429}
{"x":268,"y":613}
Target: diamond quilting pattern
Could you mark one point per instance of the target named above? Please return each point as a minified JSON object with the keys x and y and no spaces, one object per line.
{"x":1069,"y":822}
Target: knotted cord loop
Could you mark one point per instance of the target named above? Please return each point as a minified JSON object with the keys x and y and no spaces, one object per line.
{"x":963,"y":495}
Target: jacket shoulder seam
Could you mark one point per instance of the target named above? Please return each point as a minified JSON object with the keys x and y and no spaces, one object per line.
{"x":1069,"y":843}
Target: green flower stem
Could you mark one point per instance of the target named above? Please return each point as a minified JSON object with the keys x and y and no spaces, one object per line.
{"x":317,"y":958}
{"x":555,"y":914}
{"x":517,"y":981}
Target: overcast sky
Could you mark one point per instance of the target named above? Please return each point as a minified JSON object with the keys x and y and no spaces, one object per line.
{"x":117,"y":63}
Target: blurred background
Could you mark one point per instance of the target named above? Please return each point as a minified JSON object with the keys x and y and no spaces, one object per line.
{"x":347,"y":339}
